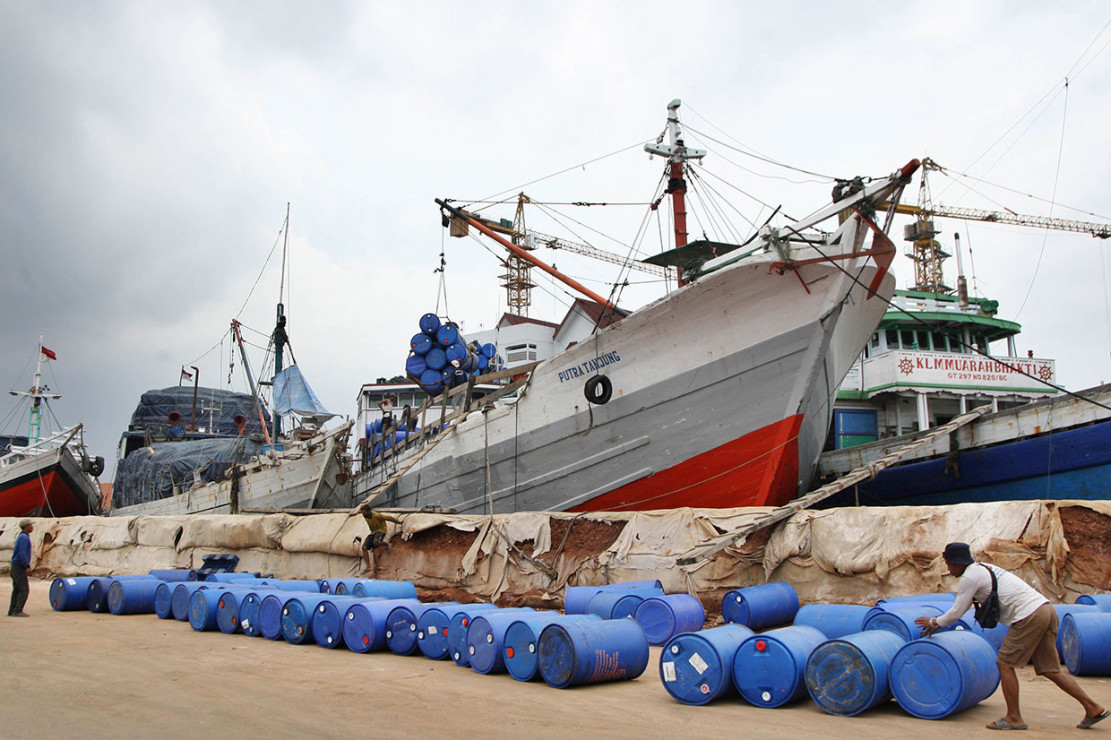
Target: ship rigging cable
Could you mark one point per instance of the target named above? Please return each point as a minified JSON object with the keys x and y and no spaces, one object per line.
{"x":974,"y":349}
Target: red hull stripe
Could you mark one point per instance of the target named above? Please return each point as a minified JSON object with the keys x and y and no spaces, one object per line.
{"x":29,"y":496}
{"x":758,"y":469}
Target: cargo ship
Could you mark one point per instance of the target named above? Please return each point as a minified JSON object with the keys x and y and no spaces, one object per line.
{"x":719,"y":394}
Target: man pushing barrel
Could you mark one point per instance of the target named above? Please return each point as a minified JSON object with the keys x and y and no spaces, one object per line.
{"x":1032,"y":635}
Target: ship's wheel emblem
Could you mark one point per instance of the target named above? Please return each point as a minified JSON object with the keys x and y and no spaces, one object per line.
{"x":1045,"y":373}
{"x":906,"y":367}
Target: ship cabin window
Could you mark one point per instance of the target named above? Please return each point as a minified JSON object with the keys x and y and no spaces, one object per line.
{"x":892,"y":338}
{"x":941,"y":342}
{"x":520,"y":353}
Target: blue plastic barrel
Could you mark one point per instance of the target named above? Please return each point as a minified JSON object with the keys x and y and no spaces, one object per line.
{"x":769,"y":669}
{"x":459,"y":627}
{"x":204,"y":606}
{"x":995,"y":635}
{"x":179,"y":598}
{"x":944,"y":674}
{"x":429,"y":323}
{"x":447,"y":334}
{"x":900,"y":620}
{"x":519,"y":643}
{"x":575,"y":653}
{"x":1063,"y":610}
{"x":697,"y":667}
{"x":297,"y":615}
{"x":270,"y":612}
{"x":230,"y":577}
{"x":249,"y":605}
{"x":832,"y":620}
{"x":364,"y":624}
{"x":227,"y":610}
{"x":619,"y":604}
{"x":1103,"y":601}
{"x":486,"y":637}
{"x":576,"y":599}
{"x":302,"y":586}
{"x":70,"y":594}
{"x":401,"y":627}
{"x":948,"y":596}
{"x":436,"y":359}
{"x":489,"y":351}
{"x":1086,"y":643}
{"x":760,"y":607}
{"x":846,"y":676}
{"x":163,"y":596}
{"x":433,"y":625}
{"x":327,"y":619}
{"x":96,"y":598}
{"x":132,"y":596}
{"x":420,"y":343}
{"x":430,"y":380}
{"x":415,"y":364}
{"x":174,"y":574}
{"x":383,"y":589}
{"x":663,"y":617}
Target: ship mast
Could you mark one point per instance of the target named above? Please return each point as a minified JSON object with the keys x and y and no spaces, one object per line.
{"x":38,"y":396}
{"x":677,"y":154}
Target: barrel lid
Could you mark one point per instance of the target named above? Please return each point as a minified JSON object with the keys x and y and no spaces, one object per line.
{"x":692,"y":670}
{"x":842,"y":679}
{"x":926,"y":680}
{"x":557,"y":656}
{"x":520,"y":645}
{"x":658,"y":620}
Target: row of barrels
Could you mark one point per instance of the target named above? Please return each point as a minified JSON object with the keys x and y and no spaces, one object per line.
{"x":367,"y":615}
{"x":849,"y":658}
{"x":441,"y":357}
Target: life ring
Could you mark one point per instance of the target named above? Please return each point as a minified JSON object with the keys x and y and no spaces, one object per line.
{"x":598,"y":389}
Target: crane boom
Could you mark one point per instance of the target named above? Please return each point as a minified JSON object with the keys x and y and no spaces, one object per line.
{"x":1100,"y":231}
{"x":535,"y":240}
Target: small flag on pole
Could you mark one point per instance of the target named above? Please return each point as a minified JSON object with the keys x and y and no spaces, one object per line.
{"x":48,"y":353}
{"x":186,"y":375}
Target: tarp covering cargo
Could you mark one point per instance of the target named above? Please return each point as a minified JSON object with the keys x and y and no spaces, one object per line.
{"x":850,"y":555}
{"x":293,"y":394}
{"x":166,"y":468}
{"x":216,"y":411}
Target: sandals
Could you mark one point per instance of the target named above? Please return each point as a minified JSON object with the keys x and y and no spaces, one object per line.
{"x":1087,"y":722}
{"x":1003,"y":724}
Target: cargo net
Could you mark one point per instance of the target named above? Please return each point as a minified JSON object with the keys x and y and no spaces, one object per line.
{"x":218,"y":411}
{"x":165,"y":468}
{"x":441,"y":358}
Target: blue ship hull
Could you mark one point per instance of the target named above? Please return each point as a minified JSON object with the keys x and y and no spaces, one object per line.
{"x":1070,"y":464}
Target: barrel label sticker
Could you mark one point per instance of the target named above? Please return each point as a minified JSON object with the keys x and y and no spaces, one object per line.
{"x":71,"y":581}
{"x":432,"y":629}
{"x":669,"y":670}
{"x":246,"y":624}
{"x":698,"y":663}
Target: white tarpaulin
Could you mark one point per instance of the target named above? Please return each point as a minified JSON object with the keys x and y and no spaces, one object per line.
{"x":850,"y":555}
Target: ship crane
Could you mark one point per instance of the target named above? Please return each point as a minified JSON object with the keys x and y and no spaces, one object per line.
{"x":517,"y":279}
{"x":928,"y":255}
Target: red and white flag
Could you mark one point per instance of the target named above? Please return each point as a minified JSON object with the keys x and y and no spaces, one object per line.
{"x":186,"y":375}
{"x":48,"y":353}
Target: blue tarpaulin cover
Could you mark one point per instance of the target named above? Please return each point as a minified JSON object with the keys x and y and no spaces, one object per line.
{"x":293,"y":394}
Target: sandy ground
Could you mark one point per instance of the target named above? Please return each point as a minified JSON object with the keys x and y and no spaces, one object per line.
{"x":82,"y":675}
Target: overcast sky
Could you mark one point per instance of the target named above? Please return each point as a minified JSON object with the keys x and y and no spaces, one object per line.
{"x":148,"y":150}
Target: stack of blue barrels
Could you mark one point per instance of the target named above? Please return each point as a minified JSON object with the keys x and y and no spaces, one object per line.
{"x":848,"y":658}
{"x":440,"y":357}
{"x":368,"y":615}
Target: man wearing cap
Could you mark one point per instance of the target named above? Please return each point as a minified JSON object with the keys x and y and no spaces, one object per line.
{"x":21,"y":561}
{"x":1032,"y":634}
